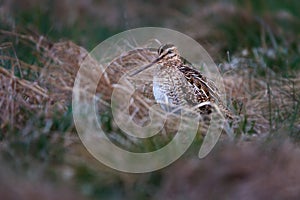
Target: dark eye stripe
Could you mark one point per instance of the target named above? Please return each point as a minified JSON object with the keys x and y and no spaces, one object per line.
{"x":167,"y":47}
{"x":160,"y":50}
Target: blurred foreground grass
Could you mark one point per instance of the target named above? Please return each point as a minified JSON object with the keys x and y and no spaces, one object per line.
{"x":256,"y":45}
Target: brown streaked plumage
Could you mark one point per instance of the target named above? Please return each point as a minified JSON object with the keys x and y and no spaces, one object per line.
{"x":176,"y":83}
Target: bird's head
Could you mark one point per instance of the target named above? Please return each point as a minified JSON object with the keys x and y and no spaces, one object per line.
{"x":168,"y":52}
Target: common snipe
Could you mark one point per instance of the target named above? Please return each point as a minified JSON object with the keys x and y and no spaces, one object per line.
{"x":176,"y":83}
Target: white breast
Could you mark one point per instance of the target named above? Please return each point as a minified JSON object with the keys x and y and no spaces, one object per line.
{"x":167,"y":90}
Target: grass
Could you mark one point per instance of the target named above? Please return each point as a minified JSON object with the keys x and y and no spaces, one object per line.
{"x":37,"y":134}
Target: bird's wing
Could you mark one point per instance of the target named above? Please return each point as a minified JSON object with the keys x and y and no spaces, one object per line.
{"x":207,"y":90}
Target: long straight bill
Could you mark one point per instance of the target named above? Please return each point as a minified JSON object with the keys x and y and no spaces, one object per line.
{"x":144,"y":67}
{"x":149,"y":65}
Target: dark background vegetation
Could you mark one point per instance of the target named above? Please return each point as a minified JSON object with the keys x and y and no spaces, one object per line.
{"x":254,"y":43}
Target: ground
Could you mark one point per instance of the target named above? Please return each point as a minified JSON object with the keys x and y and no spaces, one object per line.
{"x":256,"y":47}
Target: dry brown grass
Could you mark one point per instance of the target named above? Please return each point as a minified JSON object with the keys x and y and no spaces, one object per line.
{"x":265,"y":102}
{"x":260,"y":100}
{"x":52,"y":84}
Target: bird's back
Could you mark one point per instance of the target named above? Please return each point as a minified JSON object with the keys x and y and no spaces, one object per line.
{"x":181,"y":85}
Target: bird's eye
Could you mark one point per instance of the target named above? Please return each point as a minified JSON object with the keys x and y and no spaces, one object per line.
{"x":169,"y":48}
{"x":160,"y":50}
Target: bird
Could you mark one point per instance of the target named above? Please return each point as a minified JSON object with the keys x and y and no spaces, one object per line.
{"x":176,"y":83}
